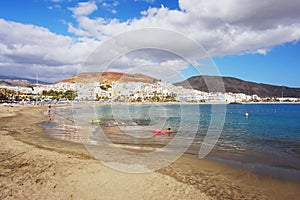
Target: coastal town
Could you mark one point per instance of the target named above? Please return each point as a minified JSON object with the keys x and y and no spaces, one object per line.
{"x":120,"y":91}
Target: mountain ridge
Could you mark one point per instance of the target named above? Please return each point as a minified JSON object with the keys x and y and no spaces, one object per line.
{"x":236,"y":85}
{"x":11,"y":80}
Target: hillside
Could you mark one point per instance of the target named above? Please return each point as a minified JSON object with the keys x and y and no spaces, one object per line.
{"x":9,"y":80}
{"x":235,"y":85}
{"x":108,"y":77}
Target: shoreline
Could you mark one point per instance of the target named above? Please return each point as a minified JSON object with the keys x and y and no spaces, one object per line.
{"x":203,"y":179}
{"x":170,"y":103}
{"x":233,"y":155}
{"x":34,"y":166}
{"x":244,"y":160}
{"x":96,"y":103}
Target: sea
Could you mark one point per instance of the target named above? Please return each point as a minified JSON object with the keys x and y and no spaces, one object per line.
{"x":263,"y":138}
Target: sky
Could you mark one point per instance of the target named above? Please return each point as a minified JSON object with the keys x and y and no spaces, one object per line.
{"x":252,"y":40}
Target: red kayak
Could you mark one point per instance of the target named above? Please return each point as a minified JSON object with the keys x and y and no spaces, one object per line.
{"x":161,"y":132}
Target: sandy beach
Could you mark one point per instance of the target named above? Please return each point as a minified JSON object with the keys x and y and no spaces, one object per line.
{"x":35,"y":166}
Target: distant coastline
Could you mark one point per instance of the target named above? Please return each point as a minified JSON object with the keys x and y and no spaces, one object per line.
{"x":110,"y":87}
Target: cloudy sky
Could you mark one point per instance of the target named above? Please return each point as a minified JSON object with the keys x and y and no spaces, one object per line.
{"x":252,"y":40}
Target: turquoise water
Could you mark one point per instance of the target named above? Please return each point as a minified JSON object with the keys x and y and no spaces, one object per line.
{"x":277,"y":125}
{"x":267,"y":141}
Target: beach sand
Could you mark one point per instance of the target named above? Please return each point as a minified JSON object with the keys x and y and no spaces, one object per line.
{"x":35,"y":166}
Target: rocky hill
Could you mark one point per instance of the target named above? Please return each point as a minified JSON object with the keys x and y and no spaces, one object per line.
{"x":108,"y":77}
{"x":235,"y":85}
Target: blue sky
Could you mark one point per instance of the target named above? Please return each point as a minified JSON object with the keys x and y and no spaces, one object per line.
{"x":254,"y":42}
{"x":280,"y":66}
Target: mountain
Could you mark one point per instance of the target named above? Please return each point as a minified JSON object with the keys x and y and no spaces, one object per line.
{"x":109,"y":77}
{"x":10,"y":80}
{"x":235,"y":85}
{"x":22,"y":83}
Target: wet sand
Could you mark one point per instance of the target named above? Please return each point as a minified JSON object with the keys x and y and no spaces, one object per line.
{"x":33,"y":165}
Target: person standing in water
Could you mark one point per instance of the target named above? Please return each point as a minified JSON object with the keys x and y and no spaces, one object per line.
{"x":49,"y":112}
{"x":169,"y":131}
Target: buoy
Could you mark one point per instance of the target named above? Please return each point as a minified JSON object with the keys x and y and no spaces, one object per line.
{"x":246,"y":114}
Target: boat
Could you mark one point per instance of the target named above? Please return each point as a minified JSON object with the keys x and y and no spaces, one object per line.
{"x":161,"y":132}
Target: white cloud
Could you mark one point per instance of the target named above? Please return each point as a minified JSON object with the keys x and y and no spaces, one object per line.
{"x":115,"y":3}
{"x":136,"y":62}
{"x":258,"y":14}
{"x":56,"y":6}
{"x":84,"y":8}
{"x":162,"y":55}
{"x":23,"y":47}
{"x":223,"y":28}
{"x":262,"y":51}
{"x":113,"y":11}
{"x":110,"y":6}
{"x":105,"y":4}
